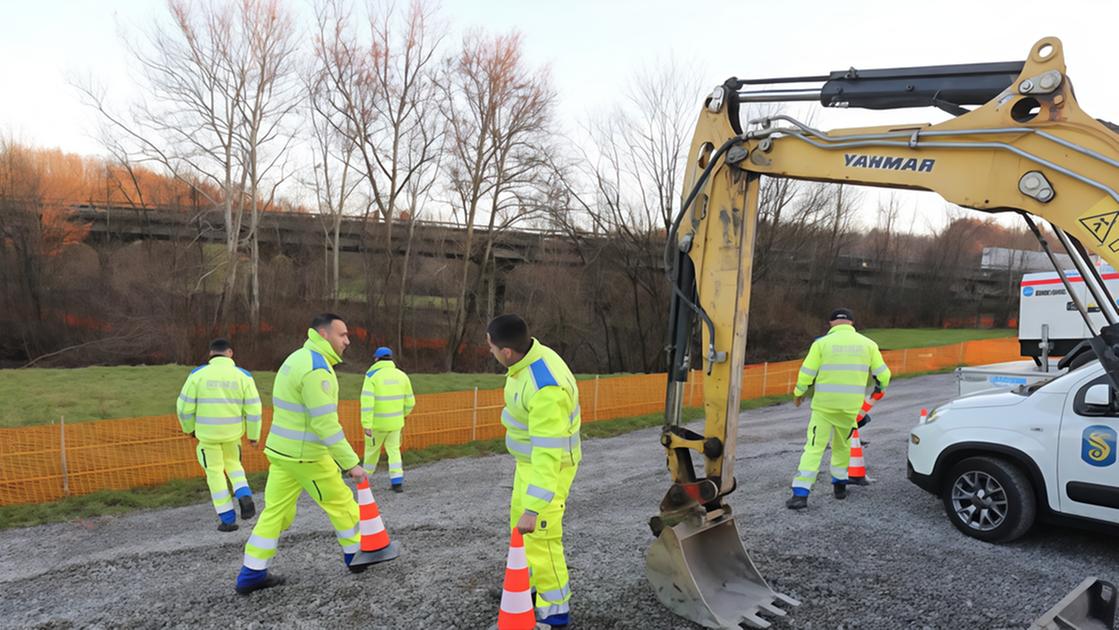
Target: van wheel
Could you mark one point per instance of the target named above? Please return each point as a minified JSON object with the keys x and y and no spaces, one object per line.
{"x":989,"y":498}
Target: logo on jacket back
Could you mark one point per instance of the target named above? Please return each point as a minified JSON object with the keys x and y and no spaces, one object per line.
{"x":1098,"y":445}
{"x":888,"y":163}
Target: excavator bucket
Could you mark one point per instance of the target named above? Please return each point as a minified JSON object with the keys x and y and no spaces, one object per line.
{"x":1090,"y":606}
{"x":703,"y":573}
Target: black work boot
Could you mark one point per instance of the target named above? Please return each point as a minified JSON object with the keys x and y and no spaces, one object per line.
{"x":268,"y":582}
{"x":228,"y":527}
{"x":796,"y":503}
{"x":248,"y":508}
{"x":840,"y":490}
{"x":398,"y":487}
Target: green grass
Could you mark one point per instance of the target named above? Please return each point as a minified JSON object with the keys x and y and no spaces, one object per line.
{"x":898,"y":338}
{"x":38,"y":396}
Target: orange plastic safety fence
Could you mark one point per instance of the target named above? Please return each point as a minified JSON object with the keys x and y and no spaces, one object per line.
{"x":48,"y":462}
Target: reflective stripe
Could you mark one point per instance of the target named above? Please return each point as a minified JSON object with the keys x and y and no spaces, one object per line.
{"x":880,"y":370}
{"x":189,"y":418}
{"x":220,"y":401}
{"x":185,"y":399}
{"x":219,"y":496}
{"x":334,"y":439}
{"x":261,"y":542}
{"x":288,"y":406}
{"x":840,"y":389}
{"x":366,"y":410}
{"x":566,"y":444}
{"x":539,"y":493}
{"x":797,"y":483}
{"x":253,"y":401}
{"x":392,"y":382}
{"x":237,"y":474}
{"x":322,"y":410}
{"x":845,"y":367}
{"x":292,"y":434}
{"x":808,"y":371}
{"x":351,"y":548}
{"x":388,"y":414}
{"x":400,"y":397}
{"x":574,"y":414}
{"x":349,"y":533}
{"x":224,"y":507}
{"x":517,"y":446}
{"x":555,"y":596}
{"x":839,"y":473}
{"x":252,"y":417}
{"x":214,"y":420}
{"x":256,"y":564}
{"x":508,"y":420}
{"x":543,"y":612}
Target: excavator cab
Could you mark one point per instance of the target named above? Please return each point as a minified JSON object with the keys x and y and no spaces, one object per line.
{"x":1024,"y":146}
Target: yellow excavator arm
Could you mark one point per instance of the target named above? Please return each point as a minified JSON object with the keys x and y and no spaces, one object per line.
{"x":1026,"y":147}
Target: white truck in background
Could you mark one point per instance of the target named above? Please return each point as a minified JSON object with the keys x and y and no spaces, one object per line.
{"x":1048,"y":326}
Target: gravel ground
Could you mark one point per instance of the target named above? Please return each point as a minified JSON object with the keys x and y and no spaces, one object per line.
{"x":885,"y":558}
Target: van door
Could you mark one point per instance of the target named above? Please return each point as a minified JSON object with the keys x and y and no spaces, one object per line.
{"x":1087,"y":467}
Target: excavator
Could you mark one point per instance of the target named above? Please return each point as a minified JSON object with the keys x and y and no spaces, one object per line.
{"x":1017,"y":141}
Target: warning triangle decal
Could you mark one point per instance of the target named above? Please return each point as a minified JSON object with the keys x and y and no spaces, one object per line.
{"x":1100,"y":225}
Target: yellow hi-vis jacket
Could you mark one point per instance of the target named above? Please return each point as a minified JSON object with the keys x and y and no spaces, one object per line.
{"x":542,"y":421}
{"x":386,"y":397}
{"x":841,"y":364}
{"x":305,"y":423}
{"x":218,"y":401}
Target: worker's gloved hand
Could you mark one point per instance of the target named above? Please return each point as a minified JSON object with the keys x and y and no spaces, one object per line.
{"x":797,"y":400}
{"x":865,"y":421}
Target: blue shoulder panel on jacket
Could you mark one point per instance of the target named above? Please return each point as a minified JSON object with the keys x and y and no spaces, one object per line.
{"x":245,"y":372}
{"x":199,"y":368}
{"x":371,"y":373}
{"x":541,"y":374}
{"x":318,"y":362}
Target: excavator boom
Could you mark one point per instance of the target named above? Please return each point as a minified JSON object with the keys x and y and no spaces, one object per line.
{"x":1027,"y":148}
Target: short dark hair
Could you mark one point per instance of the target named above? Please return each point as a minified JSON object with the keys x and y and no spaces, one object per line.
{"x":510,"y":331}
{"x":220,"y":345}
{"x":324,"y":320}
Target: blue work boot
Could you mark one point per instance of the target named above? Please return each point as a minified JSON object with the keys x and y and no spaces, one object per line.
{"x":252,"y":580}
{"x":554,"y":622}
{"x":228,"y":521}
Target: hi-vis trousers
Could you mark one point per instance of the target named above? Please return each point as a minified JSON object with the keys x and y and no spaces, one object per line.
{"x":825,"y":425}
{"x":544,"y":546}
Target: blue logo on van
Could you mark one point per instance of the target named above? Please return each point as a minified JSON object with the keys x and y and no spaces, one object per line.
{"x":1098,"y":445}
{"x":1028,"y":291}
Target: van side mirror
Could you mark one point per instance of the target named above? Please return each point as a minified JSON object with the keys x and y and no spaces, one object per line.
{"x":1098,"y":395}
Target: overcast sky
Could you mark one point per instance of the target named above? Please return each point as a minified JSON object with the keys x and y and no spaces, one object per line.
{"x":592,"y":48}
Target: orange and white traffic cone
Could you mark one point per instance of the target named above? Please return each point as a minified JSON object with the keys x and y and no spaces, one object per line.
{"x":517,"y":612}
{"x":856,"y":470}
{"x":375,"y":544}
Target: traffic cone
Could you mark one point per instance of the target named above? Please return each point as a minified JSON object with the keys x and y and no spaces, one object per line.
{"x":856,"y":470}
{"x":375,"y":544}
{"x":517,"y":611}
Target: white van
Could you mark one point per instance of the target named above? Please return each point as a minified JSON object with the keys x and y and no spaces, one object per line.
{"x":999,"y":459}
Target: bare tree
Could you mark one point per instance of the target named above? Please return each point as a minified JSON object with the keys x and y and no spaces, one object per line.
{"x":216,"y":88}
{"x":497,"y":121}
{"x":383,"y":88}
